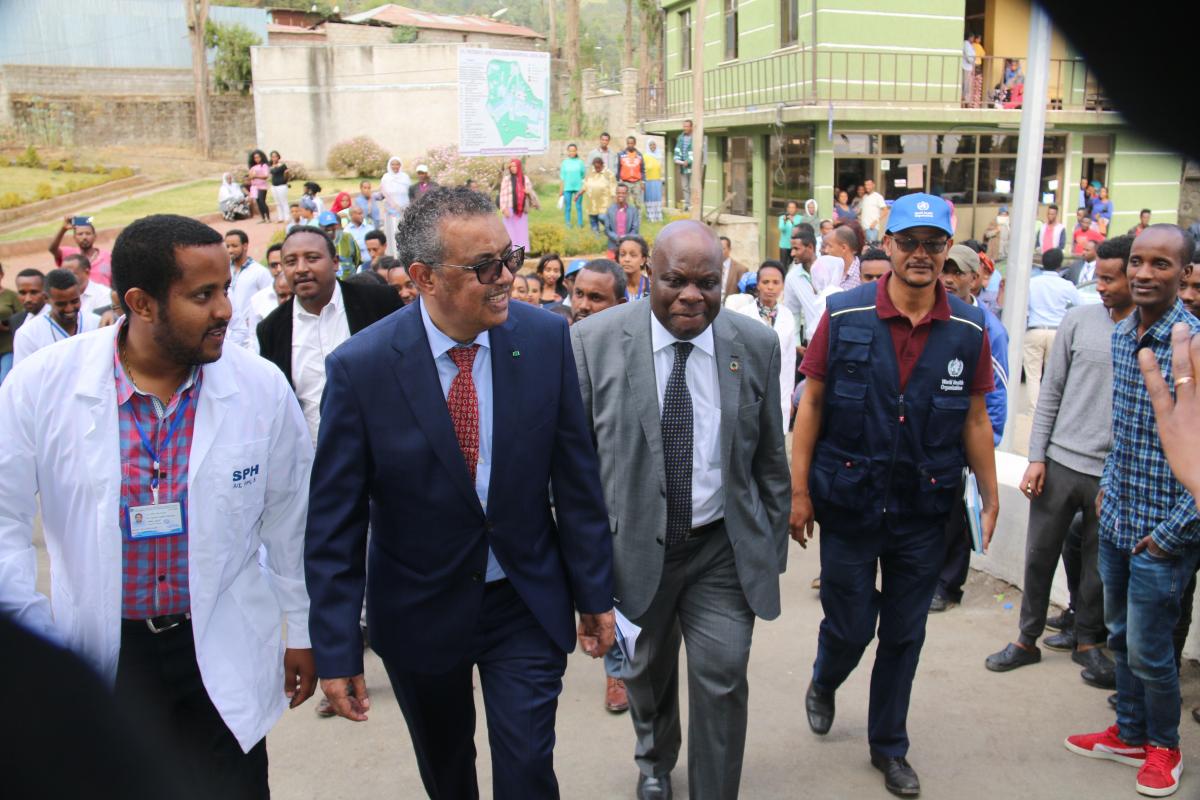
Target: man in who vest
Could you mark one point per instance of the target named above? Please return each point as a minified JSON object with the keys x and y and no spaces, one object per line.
{"x":893,"y":411}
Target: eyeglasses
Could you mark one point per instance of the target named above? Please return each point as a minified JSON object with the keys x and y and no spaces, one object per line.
{"x":490,"y":271}
{"x":909,"y":244}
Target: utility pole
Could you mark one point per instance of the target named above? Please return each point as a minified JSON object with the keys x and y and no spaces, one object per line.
{"x":196,"y":14}
{"x":697,"y":186}
{"x":1026,"y":184}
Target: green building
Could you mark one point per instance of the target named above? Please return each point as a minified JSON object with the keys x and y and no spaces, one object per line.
{"x":802,"y":96}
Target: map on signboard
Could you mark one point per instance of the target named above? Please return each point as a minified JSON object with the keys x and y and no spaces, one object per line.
{"x":503,"y":102}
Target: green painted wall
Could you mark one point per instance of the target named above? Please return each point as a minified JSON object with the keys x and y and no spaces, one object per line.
{"x":1143,"y":175}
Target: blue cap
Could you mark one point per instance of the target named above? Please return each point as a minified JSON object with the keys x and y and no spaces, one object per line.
{"x":327,"y":218}
{"x":747,"y":281}
{"x":576,"y":265}
{"x":920,"y":210}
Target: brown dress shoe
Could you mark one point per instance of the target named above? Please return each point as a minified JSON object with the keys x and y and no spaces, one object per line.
{"x":615,"y":698}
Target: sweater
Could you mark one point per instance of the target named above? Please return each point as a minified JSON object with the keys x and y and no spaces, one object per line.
{"x":1072,"y":423}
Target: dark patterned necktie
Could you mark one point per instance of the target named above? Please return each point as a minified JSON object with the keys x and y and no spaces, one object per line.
{"x":464,"y":405}
{"x":677,"y":447}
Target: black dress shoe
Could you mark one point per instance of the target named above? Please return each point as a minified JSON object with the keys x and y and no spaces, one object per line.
{"x":1062,"y":622}
{"x":1063,"y":642}
{"x":898,"y":776}
{"x":1196,"y":714}
{"x":819,"y":706}
{"x":1012,"y":657}
{"x":939,"y":604}
{"x":1098,"y":669}
{"x":654,"y":788}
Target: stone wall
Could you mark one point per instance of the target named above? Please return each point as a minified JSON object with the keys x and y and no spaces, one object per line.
{"x":612,"y":110}
{"x":92,"y":107}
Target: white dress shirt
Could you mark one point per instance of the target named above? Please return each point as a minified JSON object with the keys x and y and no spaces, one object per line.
{"x":1087,"y":272}
{"x":708,"y":492}
{"x":800,"y":296}
{"x":314,"y":336}
{"x":244,"y":283}
{"x":440,"y":346}
{"x":96,"y":295}
{"x":725,"y":266}
{"x":43,"y":330}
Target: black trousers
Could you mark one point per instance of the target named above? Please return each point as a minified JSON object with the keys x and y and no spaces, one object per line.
{"x":264,"y":210}
{"x":158,"y":674}
{"x":957,"y":563}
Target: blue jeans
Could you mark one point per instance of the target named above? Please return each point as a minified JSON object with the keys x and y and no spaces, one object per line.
{"x":6,"y":362}
{"x":577,"y":197}
{"x":597,"y":221}
{"x":1141,"y":606}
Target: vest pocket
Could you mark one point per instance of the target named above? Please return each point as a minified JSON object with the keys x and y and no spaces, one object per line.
{"x":847,"y":404}
{"x":836,"y":478}
{"x":947,"y":417}
{"x":938,"y":484}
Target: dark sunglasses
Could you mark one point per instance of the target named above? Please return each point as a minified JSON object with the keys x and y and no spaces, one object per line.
{"x":490,"y":271}
{"x":909,"y":244}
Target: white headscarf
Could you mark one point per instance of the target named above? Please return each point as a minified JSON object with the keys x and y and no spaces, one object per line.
{"x":229,"y":190}
{"x":395,"y":184}
{"x":815,"y":210}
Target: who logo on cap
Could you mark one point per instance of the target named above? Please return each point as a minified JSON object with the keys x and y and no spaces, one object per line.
{"x":920,"y":210}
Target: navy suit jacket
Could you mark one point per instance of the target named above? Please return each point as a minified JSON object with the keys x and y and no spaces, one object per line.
{"x":387,"y":452}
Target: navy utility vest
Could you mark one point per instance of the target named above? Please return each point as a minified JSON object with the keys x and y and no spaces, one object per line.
{"x":882,"y":451}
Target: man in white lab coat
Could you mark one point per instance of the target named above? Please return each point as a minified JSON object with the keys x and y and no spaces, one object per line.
{"x":163,"y":463}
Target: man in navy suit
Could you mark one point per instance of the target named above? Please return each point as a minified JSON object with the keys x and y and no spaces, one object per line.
{"x":422,"y":435}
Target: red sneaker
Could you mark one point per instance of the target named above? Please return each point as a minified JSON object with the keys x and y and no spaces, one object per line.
{"x":1107,"y":745}
{"x":1159,"y":776}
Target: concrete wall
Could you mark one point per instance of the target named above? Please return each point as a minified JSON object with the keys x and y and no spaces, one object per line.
{"x":307,"y":99}
{"x":1142,"y":174}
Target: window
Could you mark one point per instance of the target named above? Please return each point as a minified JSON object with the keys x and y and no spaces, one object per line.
{"x":731,"y":30}
{"x":953,"y":179}
{"x":739,"y":174}
{"x":996,"y":177}
{"x":789,"y":22}
{"x":685,"y":40}
{"x":789,"y":169}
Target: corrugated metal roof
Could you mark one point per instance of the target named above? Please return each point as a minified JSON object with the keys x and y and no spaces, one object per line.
{"x":392,"y":14}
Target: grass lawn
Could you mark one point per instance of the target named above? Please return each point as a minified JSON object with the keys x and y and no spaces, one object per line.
{"x":24,"y":181}
{"x":189,"y":199}
{"x":549,"y":212}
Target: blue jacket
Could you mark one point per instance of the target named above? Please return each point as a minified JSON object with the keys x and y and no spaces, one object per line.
{"x":997,"y":399}
{"x":388,"y":455}
{"x":883,"y":453}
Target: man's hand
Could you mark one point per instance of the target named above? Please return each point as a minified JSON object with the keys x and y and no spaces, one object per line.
{"x":801,"y":521}
{"x":597,"y":632}
{"x":1033,"y":480}
{"x":1177,"y":427}
{"x":1099,"y":502}
{"x":348,"y":696}
{"x":68,"y":223}
{"x":299,"y":675}
{"x":1148,"y":543}
{"x":988,"y":516}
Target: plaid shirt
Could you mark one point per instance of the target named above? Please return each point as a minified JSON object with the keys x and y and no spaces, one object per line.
{"x":154,"y":571}
{"x":1141,"y":495}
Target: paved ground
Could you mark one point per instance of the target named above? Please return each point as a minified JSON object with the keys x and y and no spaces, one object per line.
{"x":975,"y":733}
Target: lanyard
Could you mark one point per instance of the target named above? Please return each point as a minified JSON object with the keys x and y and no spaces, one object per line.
{"x":56,"y":328}
{"x":176,"y":420}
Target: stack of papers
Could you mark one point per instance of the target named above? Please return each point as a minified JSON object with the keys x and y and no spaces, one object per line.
{"x":974,"y":510}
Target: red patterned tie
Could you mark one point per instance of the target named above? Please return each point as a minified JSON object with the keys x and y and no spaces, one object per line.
{"x":464,"y":405}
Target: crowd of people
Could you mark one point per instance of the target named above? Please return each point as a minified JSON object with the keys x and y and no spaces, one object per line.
{"x":247,"y":442}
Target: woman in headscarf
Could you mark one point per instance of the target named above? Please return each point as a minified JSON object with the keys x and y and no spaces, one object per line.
{"x":516,"y":197}
{"x":231,"y":200}
{"x":394,"y":185}
{"x":811,"y":215}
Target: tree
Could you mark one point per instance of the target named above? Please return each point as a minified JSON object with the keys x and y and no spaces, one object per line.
{"x":231,"y":67}
{"x":650,"y":67}
{"x":627,"y":52}
{"x":575,"y":104}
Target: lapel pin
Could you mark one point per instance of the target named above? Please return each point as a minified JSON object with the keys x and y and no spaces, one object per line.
{"x":516,"y":354}
{"x":733,"y":366}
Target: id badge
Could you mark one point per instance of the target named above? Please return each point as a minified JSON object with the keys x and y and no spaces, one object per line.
{"x":149,"y":522}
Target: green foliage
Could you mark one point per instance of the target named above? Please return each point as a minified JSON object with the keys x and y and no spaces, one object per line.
{"x":360,"y":157}
{"x":553,"y":237}
{"x":44,"y":191}
{"x":404,"y":34}
{"x":10,"y":200}
{"x":278,"y":237}
{"x":231,"y":68}
{"x":29,"y":158}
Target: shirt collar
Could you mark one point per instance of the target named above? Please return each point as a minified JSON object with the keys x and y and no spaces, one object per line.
{"x":1159,"y":331}
{"x":125,"y":386}
{"x":440,"y":343}
{"x":886,"y":309}
{"x":335,"y":303}
{"x":661,"y":338}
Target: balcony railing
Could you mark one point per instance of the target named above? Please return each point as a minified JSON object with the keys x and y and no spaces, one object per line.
{"x":808,"y":77}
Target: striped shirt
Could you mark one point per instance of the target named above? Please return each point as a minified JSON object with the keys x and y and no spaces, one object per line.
{"x":1141,"y":495}
{"x":154,"y":571}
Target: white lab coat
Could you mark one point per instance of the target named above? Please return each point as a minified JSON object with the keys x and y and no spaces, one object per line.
{"x":785,"y":329}
{"x":58,"y":420}
{"x":41,"y":331}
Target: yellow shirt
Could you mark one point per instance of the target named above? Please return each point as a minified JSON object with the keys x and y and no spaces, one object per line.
{"x":653,"y":168}
{"x":979,"y":53}
{"x":598,"y":191}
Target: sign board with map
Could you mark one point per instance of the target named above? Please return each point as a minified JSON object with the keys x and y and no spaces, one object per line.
{"x":503,"y":102}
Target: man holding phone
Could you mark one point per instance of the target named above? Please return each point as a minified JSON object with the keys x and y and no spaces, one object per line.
{"x":84,"y":231}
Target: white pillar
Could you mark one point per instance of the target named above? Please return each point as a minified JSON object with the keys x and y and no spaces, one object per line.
{"x":1025,"y":205}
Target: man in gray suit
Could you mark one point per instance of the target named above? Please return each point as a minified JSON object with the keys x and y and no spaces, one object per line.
{"x":696,"y":482}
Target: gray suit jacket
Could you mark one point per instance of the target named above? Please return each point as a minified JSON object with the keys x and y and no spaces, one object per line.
{"x":620,"y":399}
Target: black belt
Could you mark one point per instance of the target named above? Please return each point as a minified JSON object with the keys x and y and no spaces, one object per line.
{"x":159,"y":624}
{"x":704,"y":530}
{"x":1042,"y":328}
